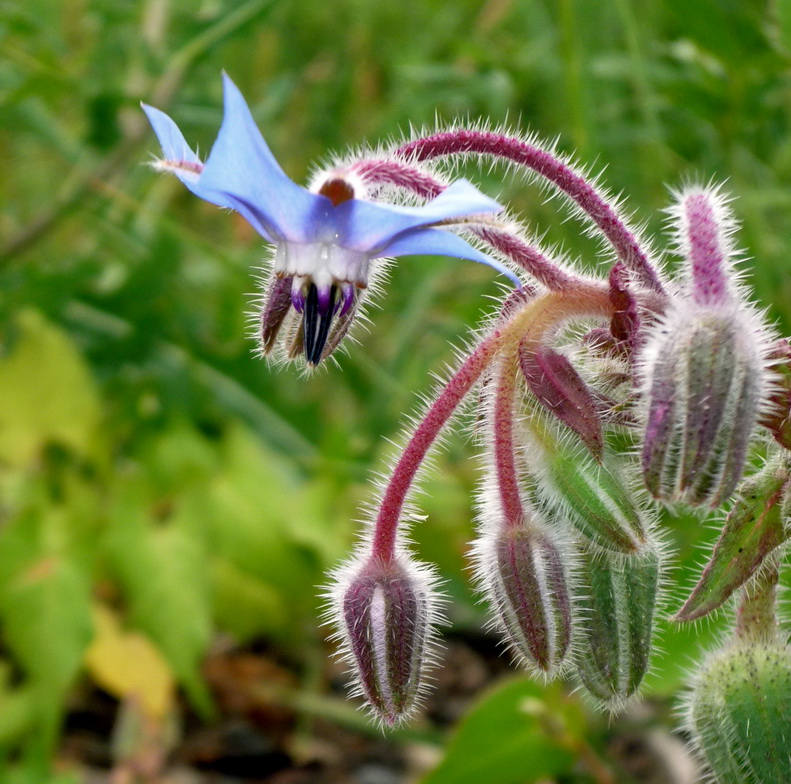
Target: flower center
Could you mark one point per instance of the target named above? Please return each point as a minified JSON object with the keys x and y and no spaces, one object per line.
{"x":337,"y":190}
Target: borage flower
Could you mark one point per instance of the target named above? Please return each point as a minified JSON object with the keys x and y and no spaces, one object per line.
{"x":326,"y":237}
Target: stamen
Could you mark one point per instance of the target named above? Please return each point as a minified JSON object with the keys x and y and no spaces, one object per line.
{"x":317,"y":319}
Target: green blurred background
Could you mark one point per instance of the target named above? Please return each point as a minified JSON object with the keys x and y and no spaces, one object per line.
{"x":168,"y":502}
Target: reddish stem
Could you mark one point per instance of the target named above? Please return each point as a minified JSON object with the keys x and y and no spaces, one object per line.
{"x":528,"y":257}
{"x":560,"y":174}
{"x":503,"y":446}
{"x":537,"y":318}
{"x":427,"y":431}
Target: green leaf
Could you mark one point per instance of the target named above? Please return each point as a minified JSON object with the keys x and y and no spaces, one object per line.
{"x":519,"y":732}
{"x":245,"y":606}
{"x":164,"y":574}
{"x":47,"y":394}
{"x":47,"y":626}
{"x":47,"y":621}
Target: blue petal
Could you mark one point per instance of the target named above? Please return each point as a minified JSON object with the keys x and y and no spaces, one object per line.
{"x":436,"y":242}
{"x":366,"y":226}
{"x":242,"y":168}
{"x":175,"y":149}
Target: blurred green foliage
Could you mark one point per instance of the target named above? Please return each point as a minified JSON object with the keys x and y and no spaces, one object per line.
{"x":148,"y":462}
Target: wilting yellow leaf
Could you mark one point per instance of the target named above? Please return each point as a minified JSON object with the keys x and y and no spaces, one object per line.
{"x":127,"y":664}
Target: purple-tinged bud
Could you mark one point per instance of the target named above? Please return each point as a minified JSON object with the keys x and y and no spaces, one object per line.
{"x":524,"y":572}
{"x":562,"y":392}
{"x":618,"y":598}
{"x":777,"y":417}
{"x":705,"y":382}
{"x":756,"y":526}
{"x":384,"y":612}
{"x":625,"y":321}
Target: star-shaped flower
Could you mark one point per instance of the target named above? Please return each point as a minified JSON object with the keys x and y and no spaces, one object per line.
{"x":327,"y":237}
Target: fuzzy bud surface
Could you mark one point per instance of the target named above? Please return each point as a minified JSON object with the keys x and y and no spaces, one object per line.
{"x":385,"y":616}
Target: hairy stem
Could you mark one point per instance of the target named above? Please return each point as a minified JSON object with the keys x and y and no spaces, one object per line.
{"x":560,"y":174}
{"x":503,"y":445}
{"x":538,"y":317}
{"x":494,"y":233}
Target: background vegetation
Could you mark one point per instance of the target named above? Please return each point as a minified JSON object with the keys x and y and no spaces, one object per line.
{"x":168,"y":502}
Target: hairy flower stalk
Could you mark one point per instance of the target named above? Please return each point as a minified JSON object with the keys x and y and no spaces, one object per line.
{"x":536,"y":318}
{"x":527,"y":153}
{"x":502,"y":237}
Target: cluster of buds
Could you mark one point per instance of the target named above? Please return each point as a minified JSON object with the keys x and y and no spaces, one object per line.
{"x":600,"y":400}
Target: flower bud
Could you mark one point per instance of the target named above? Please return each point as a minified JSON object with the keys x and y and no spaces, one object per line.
{"x":777,"y":417}
{"x":524,"y":572}
{"x":738,"y":713}
{"x":593,"y":497}
{"x":563,"y":393}
{"x":705,"y":381}
{"x":617,"y":604}
{"x":384,"y":612}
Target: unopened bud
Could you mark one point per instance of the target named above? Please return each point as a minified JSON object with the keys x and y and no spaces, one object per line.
{"x":384,"y":611}
{"x":563,"y":393}
{"x":524,"y":572}
{"x":617,"y":604}
{"x":593,"y":496}
{"x":705,"y":379}
{"x":777,"y":417}
{"x":738,"y":713}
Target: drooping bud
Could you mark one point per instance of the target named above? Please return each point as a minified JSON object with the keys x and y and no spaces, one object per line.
{"x":618,"y":599}
{"x":757,"y":525}
{"x":777,"y":417}
{"x":704,"y":385}
{"x":524,"y":572}
{"x":563,"y":393}
{"x":594,"y":497}
{"x":384,"y":611}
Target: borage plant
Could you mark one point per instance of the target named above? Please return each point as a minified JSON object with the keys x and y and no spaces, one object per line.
{"x":601,"y":400}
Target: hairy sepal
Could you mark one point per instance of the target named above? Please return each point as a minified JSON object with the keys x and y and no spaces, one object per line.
{"x":563,"y":393}
{"x":705,"y":382}
{"x":618,"y":600}
{"x":525,"y":573}
{"x":738,"y":713}
{"x":757,"y":525}
{"x":384,"y":612}
{"x":593,"y":497}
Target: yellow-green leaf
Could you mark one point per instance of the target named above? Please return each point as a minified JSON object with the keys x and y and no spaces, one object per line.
{"x":47,"y":394}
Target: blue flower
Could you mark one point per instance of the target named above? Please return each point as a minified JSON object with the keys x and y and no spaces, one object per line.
{"x":325,"y":240}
